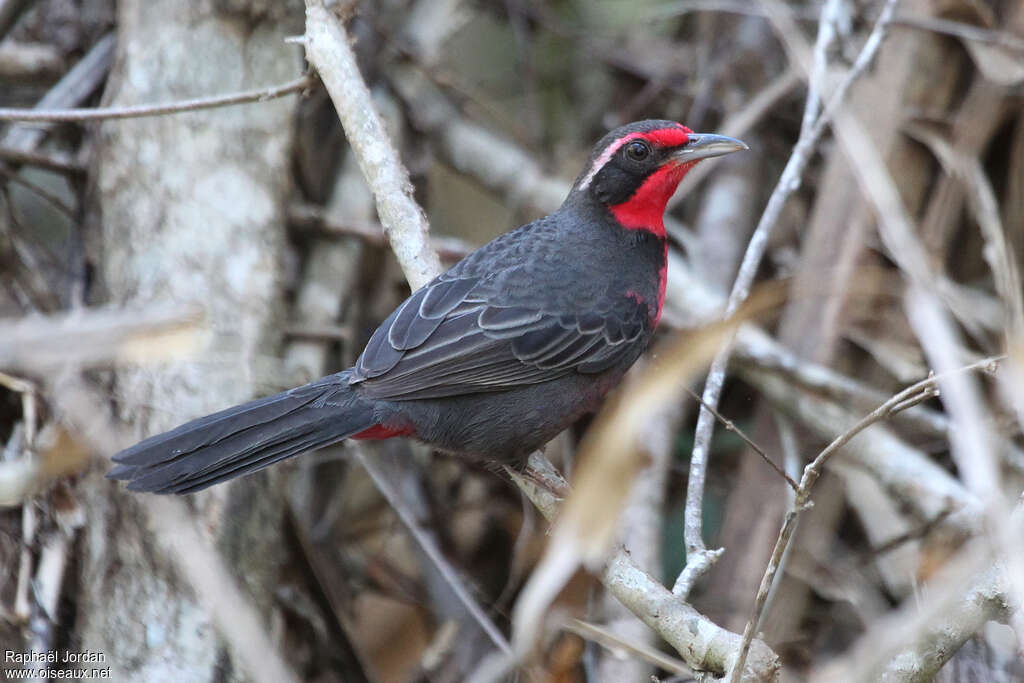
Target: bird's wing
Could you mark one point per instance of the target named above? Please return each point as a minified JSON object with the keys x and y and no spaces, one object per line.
{"x":462,"y":335}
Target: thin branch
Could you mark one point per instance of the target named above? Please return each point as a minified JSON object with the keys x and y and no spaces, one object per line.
{"x":703,"y":644}
{"x":731,"y":427}
{"x":694,"y":569}
{"x":51,"y":162}
{"x":911,"y":535}
{"x":433,"y":552}
{"x":141,"y":110}
{"x":913,"y":643}
{"x":926,"y":388}
{"x":907,"y":473}
{"x":756,"y":348}
{"x":810,"y":133}
{"x":81,"y":81}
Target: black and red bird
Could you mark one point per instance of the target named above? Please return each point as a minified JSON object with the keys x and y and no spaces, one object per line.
{"x":495,"y":356}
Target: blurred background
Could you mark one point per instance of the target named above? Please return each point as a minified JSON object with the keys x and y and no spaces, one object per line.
{"x":156,"y":269}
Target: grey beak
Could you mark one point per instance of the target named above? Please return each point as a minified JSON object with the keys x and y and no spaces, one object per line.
{"x":706,"y":145}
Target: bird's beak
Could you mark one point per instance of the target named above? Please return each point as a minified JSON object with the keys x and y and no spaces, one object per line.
{"x":706,"y":145}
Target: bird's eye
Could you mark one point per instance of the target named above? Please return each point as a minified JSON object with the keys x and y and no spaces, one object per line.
{"x":637,"y":150}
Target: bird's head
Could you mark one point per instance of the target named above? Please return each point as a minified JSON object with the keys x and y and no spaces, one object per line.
{"x":635,"y":169}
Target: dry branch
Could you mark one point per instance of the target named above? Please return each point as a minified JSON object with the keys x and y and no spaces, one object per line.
{"x":906,"y":472}
{"x":910,"y":396}
{"x":912,"y":644}
{"x":141,"y":110}
{"x":430,"y":547}
{"x":811,"y":130}
{"x":703,"y":644}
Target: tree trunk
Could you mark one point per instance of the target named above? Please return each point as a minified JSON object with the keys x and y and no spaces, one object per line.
{"x":192,"y":211}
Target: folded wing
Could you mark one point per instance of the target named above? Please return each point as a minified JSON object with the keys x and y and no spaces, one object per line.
{"x":460,"y":335}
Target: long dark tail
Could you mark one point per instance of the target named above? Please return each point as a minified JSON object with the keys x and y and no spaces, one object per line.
{"x":245,"y":438}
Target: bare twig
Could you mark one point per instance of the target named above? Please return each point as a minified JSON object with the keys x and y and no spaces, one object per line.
{"x":433,"y":552}
{"x":926,"y":388}
{"x":49,"y":161}
{"x":694,"y":569}
{"x":703,"y":644}
{"x":904,"y":471}
{"x":920,"y":531}
{"x":731,"y":427}
{"x":757,"y":348}
{"x":911,"y":645}
{"x":138,"y":111}
{"x":811,"y":130}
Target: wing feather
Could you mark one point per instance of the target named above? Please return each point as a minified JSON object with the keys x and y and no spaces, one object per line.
{"x":460,"y":335}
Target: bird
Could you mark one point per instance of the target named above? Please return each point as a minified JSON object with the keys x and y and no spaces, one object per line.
{"x":495,"y":356}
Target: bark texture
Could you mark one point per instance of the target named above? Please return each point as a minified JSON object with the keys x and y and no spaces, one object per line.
{"x":192,"y":212}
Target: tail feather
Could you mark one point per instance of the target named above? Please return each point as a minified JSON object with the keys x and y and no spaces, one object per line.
{"x":245,"y":438}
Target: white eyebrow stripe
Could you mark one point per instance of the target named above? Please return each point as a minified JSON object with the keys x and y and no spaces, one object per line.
{"x":605,"y":156}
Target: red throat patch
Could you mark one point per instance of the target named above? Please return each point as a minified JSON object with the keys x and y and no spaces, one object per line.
{"x":645,"y":210}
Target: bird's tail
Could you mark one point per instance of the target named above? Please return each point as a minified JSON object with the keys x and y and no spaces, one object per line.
{"x":245,"y":438}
